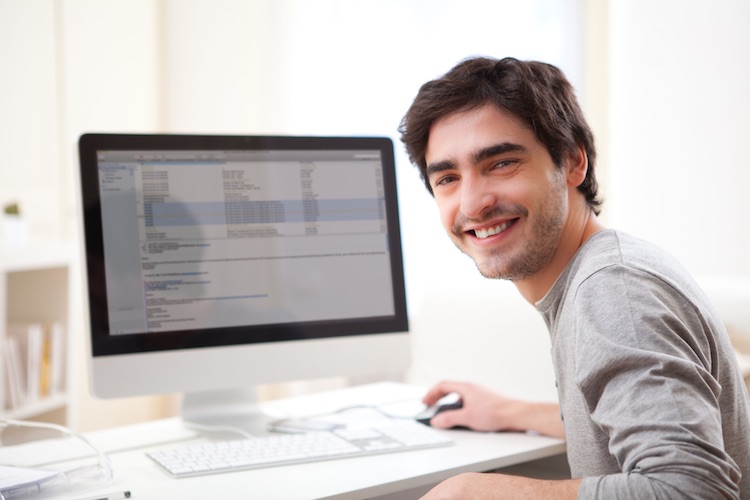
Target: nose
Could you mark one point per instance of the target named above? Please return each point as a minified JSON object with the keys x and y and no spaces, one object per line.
{"x":476,"y":196}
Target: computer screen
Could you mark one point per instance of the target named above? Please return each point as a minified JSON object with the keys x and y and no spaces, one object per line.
{"x":215,"y":263}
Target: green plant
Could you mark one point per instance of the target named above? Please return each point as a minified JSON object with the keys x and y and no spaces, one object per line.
{"x":11,"y":209}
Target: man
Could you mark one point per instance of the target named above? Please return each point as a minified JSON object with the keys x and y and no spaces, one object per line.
{"x":652,"y":403}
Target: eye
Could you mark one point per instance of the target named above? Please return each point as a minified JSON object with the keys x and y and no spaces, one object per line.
{"x":444,"y":180}
{"x":505,"y":163}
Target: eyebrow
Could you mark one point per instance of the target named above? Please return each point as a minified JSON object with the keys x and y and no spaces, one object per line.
{"x":434,"y":168}
{"x":497,"y":149}
{"x":478,"y":156}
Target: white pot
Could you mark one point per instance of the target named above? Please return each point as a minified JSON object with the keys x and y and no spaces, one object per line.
{"x":15,"y":232}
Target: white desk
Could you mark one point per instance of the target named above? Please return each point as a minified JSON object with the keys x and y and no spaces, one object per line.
{"x":354,"y":478}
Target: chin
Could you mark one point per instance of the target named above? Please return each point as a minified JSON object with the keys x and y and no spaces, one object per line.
{"x":490,"y":271}
{"x":510,"y":269}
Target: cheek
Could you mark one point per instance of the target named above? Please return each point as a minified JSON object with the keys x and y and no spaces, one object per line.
{"x":447,"y":213}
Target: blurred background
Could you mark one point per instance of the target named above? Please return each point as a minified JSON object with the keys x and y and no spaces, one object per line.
{"x":663,"y":83}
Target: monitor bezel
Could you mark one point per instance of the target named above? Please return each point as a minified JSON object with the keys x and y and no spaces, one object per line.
{"x":104,"y":344}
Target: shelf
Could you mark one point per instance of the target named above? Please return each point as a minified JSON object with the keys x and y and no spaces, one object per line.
{"x":38,"y":256}
{"x":42,"y":406}
{"x":35,"y":288}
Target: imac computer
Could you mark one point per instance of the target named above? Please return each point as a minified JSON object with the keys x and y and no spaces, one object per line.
{"x":216,"y":263}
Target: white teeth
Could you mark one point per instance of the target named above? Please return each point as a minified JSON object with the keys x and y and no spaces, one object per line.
{"x":485,"y":233}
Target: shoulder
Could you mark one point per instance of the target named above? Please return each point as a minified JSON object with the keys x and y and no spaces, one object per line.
{"x":610,"y":247}
{"x":644,"y":301}
{"x":616,"y":263}
{"x":602,"y":275}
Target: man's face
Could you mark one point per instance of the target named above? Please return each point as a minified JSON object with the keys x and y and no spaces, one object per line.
{"x":501,"y":198}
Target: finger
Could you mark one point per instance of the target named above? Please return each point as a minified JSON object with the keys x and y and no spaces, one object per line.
{"x":448,"y":419}
{"x":440,"y":390}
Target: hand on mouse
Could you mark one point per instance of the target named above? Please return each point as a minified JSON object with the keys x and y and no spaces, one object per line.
{"x":485,"y":410}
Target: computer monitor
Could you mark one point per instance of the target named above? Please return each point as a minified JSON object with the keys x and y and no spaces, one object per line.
{"x":216,"y":263}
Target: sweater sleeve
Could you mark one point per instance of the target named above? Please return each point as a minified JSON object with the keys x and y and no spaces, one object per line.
{"x":646,"y":364}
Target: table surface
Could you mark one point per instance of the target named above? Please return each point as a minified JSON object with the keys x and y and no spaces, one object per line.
{"x":351,"y":478}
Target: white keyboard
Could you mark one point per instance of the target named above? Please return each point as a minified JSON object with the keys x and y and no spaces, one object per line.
{"x":286,"y":449}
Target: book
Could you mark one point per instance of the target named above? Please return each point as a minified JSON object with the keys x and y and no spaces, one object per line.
{"x":16,"y":381}
{"x":35,"y":359}
{"x":34,"y":353}
{"x":57,"y":358}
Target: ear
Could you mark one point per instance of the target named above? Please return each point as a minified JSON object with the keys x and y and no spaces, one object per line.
{"x":576,"y":167}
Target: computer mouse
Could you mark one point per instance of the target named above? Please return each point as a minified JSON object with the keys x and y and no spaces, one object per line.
{"x":426,"y":415}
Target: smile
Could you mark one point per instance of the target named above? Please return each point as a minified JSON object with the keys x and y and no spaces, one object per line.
{"x":492,"y":231}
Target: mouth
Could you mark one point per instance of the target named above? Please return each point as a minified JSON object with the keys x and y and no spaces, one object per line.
{"x":484,"y":233}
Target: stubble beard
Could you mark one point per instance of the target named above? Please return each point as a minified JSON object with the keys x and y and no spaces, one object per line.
{"x":539,"y":249}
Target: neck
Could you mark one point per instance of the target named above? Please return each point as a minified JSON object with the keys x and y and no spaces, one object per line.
{"x":575,"y":234}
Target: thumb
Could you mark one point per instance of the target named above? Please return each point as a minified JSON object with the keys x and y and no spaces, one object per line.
{"x":447,"y":419}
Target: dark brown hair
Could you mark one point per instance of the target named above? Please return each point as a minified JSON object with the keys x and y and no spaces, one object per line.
{"x":536,"y":93}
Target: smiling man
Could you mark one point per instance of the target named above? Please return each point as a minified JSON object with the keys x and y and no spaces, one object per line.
{"x":652,"y":403}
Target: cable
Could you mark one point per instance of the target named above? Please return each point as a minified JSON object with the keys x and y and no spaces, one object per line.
{"x":61,"y":481}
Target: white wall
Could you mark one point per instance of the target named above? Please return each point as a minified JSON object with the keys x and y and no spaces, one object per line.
{"x":30,"y":171}
{"x":679,"y":118}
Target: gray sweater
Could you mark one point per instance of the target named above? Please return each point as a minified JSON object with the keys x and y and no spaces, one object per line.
{"x":650,"y":393}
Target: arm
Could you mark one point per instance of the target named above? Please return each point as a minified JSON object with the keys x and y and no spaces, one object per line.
{"x":485,"y":410}
{"x":647,"y":367}
{"x":499,"y":486}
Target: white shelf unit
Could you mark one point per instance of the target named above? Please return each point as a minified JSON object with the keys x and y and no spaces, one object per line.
{"x":35,"y":286}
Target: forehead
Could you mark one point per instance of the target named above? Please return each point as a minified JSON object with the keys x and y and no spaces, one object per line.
{"x":459,"y":135}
